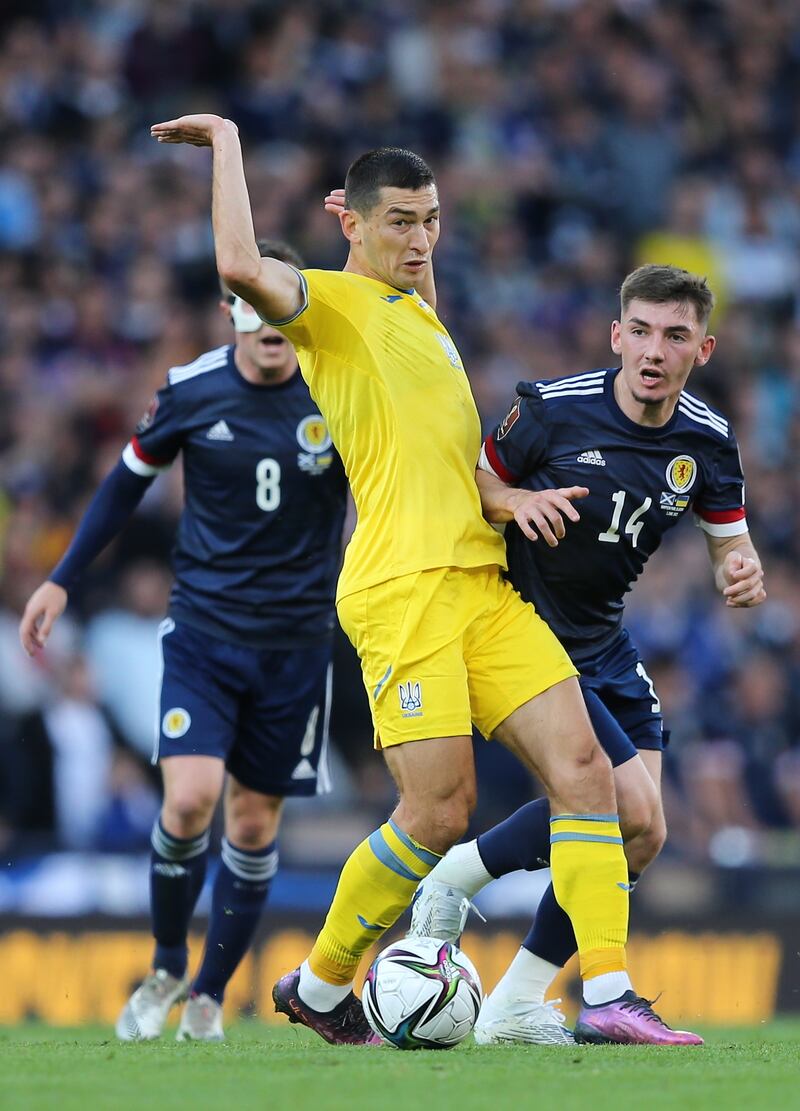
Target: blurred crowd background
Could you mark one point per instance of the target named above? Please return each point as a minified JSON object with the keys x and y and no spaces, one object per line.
{"x":572,"y":140}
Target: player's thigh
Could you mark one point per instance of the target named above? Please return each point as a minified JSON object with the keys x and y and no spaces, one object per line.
{"x":252,"y":818}
{"x":435,"y":779}
{"x":637,"y":794}
{"x":628,"y":692}
{"x":653,"y":760}
{"x":281,"y":747}
{"x":613,"y":739}
{"x":408,"y":633}
{"x":198,"y":695}
{"x":512,"y":656}
{"x":638,"y":799}
{"x":192,"y":788}
{"x":552,"y":735}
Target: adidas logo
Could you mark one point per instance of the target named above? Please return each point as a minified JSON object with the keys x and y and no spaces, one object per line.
{"x":303,"y":770}
{"x":170,"y":871}
{"x":593,"y":457}
{"x":219,"y":431}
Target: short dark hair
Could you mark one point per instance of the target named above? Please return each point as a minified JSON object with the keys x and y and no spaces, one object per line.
{"x":386,"y":166}
{"x":662,"y":284}
{"x":269,"y":248}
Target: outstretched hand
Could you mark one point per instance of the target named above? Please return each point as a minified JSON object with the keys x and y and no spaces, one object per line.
{"x":199,"y":130}
{"x":547,"y":509}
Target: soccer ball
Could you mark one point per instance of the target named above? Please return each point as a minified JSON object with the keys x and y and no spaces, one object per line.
{"x":422,"y":993}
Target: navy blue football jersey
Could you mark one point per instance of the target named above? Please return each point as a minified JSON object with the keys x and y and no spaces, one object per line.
{"x":642,"y":481}
{"x":259,"y":541}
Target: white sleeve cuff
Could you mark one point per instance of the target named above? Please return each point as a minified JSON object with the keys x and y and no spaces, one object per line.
{"x":138,"y":466}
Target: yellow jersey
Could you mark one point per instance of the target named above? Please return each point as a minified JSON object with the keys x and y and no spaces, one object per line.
{"x":390,"y":383}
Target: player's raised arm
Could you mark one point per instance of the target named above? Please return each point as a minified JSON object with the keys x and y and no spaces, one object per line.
{"x":738,"y":573}
{"x":271,"y":287}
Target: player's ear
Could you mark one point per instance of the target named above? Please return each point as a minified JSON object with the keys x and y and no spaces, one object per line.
{"x":226,"y":308}
{"x":351,"y":225}
{"x":616,"y":337}
{"x":706,"y":351}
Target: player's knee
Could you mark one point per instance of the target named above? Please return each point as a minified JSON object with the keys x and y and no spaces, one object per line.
{"x":253,"y":831}
{"x":439,"y":823}
{"x":636,"y":816}
{"x":188,"y":809}
{"x":449,"y":825}
{"x":655,"y":836}
{"x":643,"y":849}
{"x":583,"y":771}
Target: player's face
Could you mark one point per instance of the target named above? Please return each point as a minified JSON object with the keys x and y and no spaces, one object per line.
{"x":395,"y":241}
{"x":659,"y":345}
{"x":262,"y":353}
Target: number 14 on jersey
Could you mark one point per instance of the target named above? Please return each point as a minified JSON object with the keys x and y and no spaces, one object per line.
{"x":634,"y":524}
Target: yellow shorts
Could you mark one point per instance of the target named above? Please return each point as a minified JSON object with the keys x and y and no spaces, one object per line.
{"x":443,"y":648}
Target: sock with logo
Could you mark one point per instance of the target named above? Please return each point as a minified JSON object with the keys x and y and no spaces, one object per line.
{"x":240,"y":891}
{"x":377,"y":883}
{"x":177,"y":871}
{"x":551,"y":938}
{"x":590,"y":883}
{"x":521,"y":841}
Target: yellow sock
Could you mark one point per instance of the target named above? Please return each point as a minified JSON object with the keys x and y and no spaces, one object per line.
{"x":377,"y":883}
{"x":590,"y":881}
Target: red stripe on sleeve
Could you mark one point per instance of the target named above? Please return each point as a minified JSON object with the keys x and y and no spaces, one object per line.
{"x":720,"y":516}
{"x":497,"y":465}
{"x":146,"y":457}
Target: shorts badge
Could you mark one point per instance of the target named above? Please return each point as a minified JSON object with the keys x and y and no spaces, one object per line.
{"x":681,"y":473}
{"x":176,"y":722}
{"x":410,"y":699}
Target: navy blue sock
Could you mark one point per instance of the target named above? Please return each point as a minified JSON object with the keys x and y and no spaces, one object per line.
{"x":551,"y":936}
{"x":177,"y":871}
{"x":521,"y":841}
{"x":240,"y":891}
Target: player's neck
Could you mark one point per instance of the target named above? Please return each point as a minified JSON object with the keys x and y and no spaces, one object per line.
{"x":640,"y":412}
{"x":273,"y":376}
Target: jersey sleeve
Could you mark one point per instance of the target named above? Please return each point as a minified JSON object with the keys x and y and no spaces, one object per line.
{"x":325,"y":317}
{"x":158,"y":437}
{"x":518,"y":445}
{"x":719,"y":508}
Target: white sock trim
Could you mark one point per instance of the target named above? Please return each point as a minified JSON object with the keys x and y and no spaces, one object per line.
{"x":462,"y":867}
{"x":605,"y":988}
{"x":319,"y":994}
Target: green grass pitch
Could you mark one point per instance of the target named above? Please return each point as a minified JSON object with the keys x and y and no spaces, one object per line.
{"x":261,"y":1068}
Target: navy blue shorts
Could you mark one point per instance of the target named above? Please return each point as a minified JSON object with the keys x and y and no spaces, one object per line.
{"x":622,"y":704}
{"x":263,"y":711}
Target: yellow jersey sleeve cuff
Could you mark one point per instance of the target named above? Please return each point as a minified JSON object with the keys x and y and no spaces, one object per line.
{"x":303,"y":302}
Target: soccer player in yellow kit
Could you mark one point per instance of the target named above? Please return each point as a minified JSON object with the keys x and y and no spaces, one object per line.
{"x":444,"y":641}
